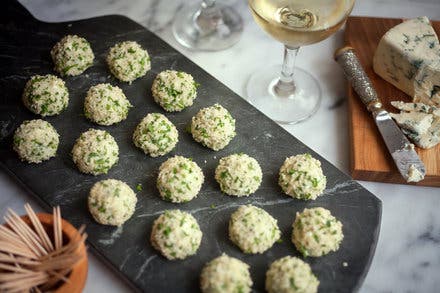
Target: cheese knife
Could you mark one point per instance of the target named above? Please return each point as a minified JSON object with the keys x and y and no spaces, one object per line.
{"x":402,"y":151}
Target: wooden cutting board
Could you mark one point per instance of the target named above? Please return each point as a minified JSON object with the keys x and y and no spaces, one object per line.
{"x":370,"y":159}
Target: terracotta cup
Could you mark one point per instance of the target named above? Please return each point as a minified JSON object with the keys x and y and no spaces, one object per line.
{"x":78,"y":276}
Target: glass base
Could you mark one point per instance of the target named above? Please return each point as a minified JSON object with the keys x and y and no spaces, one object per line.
{"x":210,"y":29}
{"x":289,"y":109}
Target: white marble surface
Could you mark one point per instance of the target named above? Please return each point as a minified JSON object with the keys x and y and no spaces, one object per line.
{"x":408,"y":254}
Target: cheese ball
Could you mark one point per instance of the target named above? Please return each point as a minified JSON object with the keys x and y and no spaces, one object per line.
{"x":253,"y":229}
{"x":238,"y":175}
{"x":95,"y":152}
{"x":176,"y":234}
{"x":179,"y":179}
{"x":45,"y":95}
{"x":225,"y":274}
{"x":36,"y":141}
{"x":316,"y":232}
{"x":128,"y":61}
{"x":72,"y":55}
{"x":213,"y":127}
{"x":301,"y":177}
{"x":155,"y":135}
{"x":106,"y":104}
{"x":291,"y":275}
{"x":174,"y":90}
{"x":111,"y":202}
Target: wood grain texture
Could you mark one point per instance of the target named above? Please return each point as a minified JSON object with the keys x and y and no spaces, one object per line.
{"x":370,"y":159}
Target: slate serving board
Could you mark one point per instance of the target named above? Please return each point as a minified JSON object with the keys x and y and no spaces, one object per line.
{"x":24,"y":51}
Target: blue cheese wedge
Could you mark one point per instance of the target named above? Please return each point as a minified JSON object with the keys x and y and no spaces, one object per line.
{"x":408,"y":56}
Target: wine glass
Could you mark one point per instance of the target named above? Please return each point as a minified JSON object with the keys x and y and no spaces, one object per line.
{"x":208,"y":26}
{"x":287,"y":94}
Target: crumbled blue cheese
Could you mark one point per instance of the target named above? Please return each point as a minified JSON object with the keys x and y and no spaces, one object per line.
{"x":408,"y":56}
{"x":419,"y":122}
{"x":413,"y":121}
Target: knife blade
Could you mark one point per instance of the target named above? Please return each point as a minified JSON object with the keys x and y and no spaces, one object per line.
{"x":402,"y":151}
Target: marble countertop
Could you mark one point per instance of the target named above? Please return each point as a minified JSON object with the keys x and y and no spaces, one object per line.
{"x":408,"y":253}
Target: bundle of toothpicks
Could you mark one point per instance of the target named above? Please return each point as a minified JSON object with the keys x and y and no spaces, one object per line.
{"x":31,"y":260}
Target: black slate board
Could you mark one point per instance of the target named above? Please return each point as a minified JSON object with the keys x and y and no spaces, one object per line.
{"x":24,"y":51}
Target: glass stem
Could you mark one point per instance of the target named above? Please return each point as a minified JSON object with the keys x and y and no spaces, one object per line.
{"x":208,"y":3}
{"x":285,"y":86}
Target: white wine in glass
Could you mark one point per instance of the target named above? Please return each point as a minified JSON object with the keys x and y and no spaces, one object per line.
{"x":287,"y":94}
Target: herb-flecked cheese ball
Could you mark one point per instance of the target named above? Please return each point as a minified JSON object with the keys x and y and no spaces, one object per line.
{"x":253,"y":229}
{"x":95,"y":152}
{"x":238,"y":175}
{"x":176,"y":234}
{"x":45,"y":95}
{"x":128,"y":61}
{"x":316,"y":232}
{"x":72,"y":55}
{"x":106,"y":104}
{"x":225,"y":274}
{"x":301,"y":177}
{"x":213,"y":127}
{"x":36,"y":141}
{"x":111,"y":202}
{"x":291,"y":275}
{"x":179,"y":179}
{"x":174,"y":90}
{"x":155,"y":135}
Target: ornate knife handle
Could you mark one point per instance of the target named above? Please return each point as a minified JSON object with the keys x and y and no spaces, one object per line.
{"x":355,"y":73}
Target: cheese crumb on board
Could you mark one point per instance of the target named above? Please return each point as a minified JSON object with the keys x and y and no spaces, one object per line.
{"x":176,"y":234}
{"x":225,"y":274}
{"x":291,"y":275}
